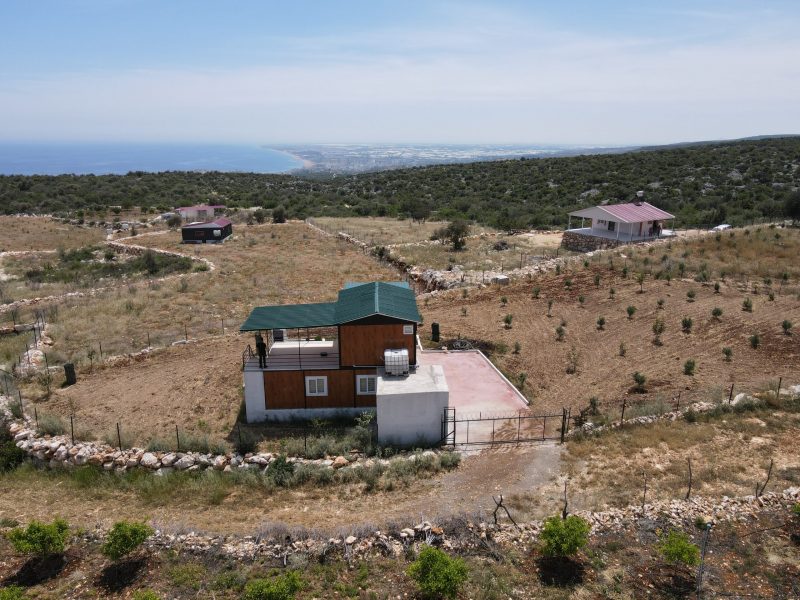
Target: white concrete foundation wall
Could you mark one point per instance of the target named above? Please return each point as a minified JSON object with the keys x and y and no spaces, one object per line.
{"x":410,"y":408}
{"x":254,"y":396}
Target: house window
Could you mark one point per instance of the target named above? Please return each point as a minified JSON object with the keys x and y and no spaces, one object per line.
{"x":316,"y":386}
{"x":612,"y":225}
{"x":408,"y":330}
{"x":366,"y":385}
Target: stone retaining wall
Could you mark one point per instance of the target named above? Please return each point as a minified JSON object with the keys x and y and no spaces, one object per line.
{"x":587,"y":243}
{"x":59,"y":451}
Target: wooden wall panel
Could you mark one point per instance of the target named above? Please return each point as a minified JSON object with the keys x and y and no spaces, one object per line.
{"x":364,"y":401}
{"x":362,"y":345}
{"x":284,"y":389}
{"x":340,"y":390}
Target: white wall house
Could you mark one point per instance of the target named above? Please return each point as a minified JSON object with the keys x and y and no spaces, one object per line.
{"x":629,"y":222}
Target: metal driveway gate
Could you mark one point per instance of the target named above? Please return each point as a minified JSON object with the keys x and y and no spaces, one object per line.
{"x":468,"y":429}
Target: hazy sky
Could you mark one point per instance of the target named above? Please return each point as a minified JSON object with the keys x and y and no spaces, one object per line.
{"x":590,"y":72}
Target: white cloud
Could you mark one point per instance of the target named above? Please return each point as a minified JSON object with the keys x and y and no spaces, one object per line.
{"x":483,"y":78}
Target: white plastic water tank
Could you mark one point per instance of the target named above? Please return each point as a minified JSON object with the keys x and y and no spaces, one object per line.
{"x":395,"y":362}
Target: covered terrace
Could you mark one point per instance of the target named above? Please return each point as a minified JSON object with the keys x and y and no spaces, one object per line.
{"x":298,"y":336}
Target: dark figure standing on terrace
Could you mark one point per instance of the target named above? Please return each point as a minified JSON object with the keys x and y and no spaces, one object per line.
{"x":261,"y":350}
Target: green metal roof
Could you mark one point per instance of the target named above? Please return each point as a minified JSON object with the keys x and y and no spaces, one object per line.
{"x":289,"y":316}
{"x":377,"y":298}
{"x":356,"y":301}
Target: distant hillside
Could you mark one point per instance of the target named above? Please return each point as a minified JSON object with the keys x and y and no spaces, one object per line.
{"x":715,"y":182}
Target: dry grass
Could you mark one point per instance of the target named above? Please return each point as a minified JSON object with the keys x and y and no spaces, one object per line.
{"x":266,"y":264}
{"x":383,"y":231}
{"x":481,"y":252}
{"x":729,"y":455}
{"x":43,"y":233}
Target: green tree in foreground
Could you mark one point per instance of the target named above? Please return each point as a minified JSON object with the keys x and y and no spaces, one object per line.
{"x":564,"y":537}
{"x":145,"y":595}
{"x":437,"y":574}
{"x":40,"y":539}
{"x":676,"y":548}
{"x":639,"y":379}
{"x":279,"y":214}
{"x":124,"y":538}
{"x":281,"y":587}
{"x":12,"y":593}
{"x":456,"y":233}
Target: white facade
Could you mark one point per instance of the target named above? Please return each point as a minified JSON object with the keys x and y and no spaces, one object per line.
{"x":410,"y":409}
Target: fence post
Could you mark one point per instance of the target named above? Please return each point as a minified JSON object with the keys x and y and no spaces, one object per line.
{"x":622,"y":418}
{"x":185,"y":333}
{"x":177,"y":439}
{"x":149,"y":345}
{"x":563,"y":423}
{"x":36,"y":416}
{"x":223,"y":326}
{"x":730,"y":395}
{"x":72,"y":429}
{"x":101,"y":349}
{"x":119,"y":438}
{"x":21,"y":409}
{"x":778,"y":393}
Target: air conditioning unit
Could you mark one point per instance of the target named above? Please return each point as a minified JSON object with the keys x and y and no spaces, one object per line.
{"x":395,"y":362}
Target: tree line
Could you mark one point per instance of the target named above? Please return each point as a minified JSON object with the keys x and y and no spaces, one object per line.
{"x":734,"y":182}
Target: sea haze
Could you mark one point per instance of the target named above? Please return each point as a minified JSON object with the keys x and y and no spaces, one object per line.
{"x":105,"y":159}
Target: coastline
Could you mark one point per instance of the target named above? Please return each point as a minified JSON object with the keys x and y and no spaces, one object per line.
{"x":307,"y":165}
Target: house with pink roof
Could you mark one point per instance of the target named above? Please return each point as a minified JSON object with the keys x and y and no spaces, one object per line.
{"x":609,"y":225}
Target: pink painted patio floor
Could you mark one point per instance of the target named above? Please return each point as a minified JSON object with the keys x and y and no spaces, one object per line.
{"x":475,"y":386}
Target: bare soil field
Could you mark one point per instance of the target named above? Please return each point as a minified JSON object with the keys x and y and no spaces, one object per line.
{"x":196,"y":387}
{"x":600,"y":370}
{"x":384,"y":231}
{"x":44,"y":233}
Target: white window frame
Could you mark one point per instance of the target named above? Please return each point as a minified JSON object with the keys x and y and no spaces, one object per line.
{"x":408,"y":330}
{"x":315,"y":379}
{"x":360,"y":378}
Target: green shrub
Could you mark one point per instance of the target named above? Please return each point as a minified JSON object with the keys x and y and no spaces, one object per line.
{"x":245,"y":442}
{"x":507,"y":320}
{"x":145,"y":595}
{"x":686,"y":324}
{"x":280,"y":587}
{"x":449,"y":460}
{"x":787,"y":327}
{"x":437,"y":574}
{"x":688,"y":367}
{"x":660,"y":303}
{"x":280,"y":471}
{"x":716,"y":312}
{"x":559,"y":333}
{"x":631,"y":310}
{"x":564,"y":537}
{"x":728,"y":352}
{"x":676,"y":548}
{"x":12,"y":593}
{"x":124,"y":538}
{"x":40,"y":539}
{"x":10,"y":456}
{"x":747,"y":305}
{"x":796,"y":509}
{"x":601,"y":323}
{"x":755,"y":341}
{"x":690,"y":295}
{"x":639,"y":379}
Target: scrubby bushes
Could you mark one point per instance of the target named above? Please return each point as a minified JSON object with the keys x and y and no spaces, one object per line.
{"x":12,"y":593}
{"x":124,"y":538}
{"x":437,"y":574}
{"x":676,"y":548}
{"x":40,"y":539}
{"x":562,"y":538}
{"x":279,"y":587}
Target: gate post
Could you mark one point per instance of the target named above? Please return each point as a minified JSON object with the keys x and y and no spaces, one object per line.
{"x":563,"y":423}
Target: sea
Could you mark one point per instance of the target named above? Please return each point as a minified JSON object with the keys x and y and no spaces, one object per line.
{"x":118,"y":159}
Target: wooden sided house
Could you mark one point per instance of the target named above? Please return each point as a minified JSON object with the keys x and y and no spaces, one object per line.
{"x":345,"y":357}
{"x":212,"y":232}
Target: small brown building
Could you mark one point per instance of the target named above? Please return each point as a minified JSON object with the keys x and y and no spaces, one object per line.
{"x":329,"y":355}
